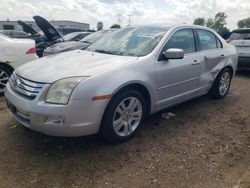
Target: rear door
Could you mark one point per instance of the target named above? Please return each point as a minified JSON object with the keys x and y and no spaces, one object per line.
{"x":213,"y":54}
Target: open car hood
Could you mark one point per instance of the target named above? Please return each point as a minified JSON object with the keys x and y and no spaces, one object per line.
{"x":49,"y":30}
{"x":27,"y":28}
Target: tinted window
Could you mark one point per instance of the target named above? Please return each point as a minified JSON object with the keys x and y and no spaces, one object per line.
{"x":182,"y":39}
{"x":207,"y":40}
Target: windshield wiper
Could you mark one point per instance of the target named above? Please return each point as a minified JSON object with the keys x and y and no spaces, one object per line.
{"x":103,"y":51}
{"x":86,"y":41}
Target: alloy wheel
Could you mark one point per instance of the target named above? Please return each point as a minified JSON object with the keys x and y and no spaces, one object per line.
{"x":224,"y":83}
{"x":4,"y":77}
{"x":127,"y":116}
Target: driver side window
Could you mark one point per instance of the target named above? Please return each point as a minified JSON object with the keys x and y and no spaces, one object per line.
{"x":182,"y":39}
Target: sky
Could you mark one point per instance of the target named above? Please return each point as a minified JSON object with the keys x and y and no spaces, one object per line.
{"x":143,"y":12}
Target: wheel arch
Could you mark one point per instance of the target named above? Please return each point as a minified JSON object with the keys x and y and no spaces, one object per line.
{"x":142,"y":90}
{"x":7,"y":66}
{"x":226,"y":67}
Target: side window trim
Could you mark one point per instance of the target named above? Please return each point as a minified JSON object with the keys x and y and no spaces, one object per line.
{"x":218,"y":40}
{"x":197,"y":41}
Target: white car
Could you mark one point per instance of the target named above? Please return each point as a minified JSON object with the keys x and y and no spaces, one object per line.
{"x":118,"y":80}
{"x":13,"y":53}
{"x":240,"y":38}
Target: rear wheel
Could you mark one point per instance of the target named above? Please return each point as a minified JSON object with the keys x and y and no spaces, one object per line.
{"x":5,"y":73}
{"x":123,"y":116}
{"x":222,"y":84}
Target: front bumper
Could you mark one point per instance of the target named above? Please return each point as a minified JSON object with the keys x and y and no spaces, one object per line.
{"x":77,"y":118}
{"x":243,"y":62}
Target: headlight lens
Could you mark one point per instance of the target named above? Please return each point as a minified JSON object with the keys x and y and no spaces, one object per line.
{"x":60,"y":91}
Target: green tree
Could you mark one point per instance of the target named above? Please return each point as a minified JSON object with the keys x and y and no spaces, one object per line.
{"x":114,"y":26}
{"x":245,"y":23}
{"x":99,"y":26}
{"x":210,"y":23}
{"x":199,"y":21}
{"x":220,"y":22}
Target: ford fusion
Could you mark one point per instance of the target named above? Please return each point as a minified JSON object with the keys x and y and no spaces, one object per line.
{"x":121,"y":78}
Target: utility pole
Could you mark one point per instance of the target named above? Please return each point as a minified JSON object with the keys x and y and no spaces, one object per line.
{"x":119,"y":19}
{"x":129,"y":20}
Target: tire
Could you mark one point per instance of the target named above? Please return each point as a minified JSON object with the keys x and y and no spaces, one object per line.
{"x":222,"y":84}
{"x":5,"y":74}
{"x":126,"y":118}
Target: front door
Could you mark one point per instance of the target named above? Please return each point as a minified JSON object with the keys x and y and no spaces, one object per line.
{"x":177,"y":80}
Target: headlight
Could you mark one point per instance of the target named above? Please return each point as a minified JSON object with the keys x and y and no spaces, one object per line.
{"x":60,"y":91}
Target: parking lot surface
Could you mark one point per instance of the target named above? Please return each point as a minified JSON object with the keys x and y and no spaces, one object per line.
{"x":207,"y":144}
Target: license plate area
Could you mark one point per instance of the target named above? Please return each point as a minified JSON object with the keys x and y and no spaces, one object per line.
{"x":24,"y":116}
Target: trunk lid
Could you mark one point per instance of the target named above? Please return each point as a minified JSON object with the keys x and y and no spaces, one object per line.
{"x":27,"y":28}
{"x":49,"y":30}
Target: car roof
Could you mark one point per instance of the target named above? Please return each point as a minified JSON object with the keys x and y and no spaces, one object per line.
{"x":242,"y":30}
{"x":173,"y":26}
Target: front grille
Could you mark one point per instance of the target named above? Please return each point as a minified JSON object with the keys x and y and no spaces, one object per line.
{"x":24,"y":86}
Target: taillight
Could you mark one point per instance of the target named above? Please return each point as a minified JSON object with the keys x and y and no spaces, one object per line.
{"x":31,"y":51}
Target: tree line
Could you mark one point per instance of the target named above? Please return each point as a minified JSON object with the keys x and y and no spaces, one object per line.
{"x":218,"y":23}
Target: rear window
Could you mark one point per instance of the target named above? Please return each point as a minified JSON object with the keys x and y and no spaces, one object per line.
{"x":207,"y":40}
{"x":240,"y":35}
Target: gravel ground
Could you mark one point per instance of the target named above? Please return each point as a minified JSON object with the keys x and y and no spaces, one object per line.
{"x":207,"y":144}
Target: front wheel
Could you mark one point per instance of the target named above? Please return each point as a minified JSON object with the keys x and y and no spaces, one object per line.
{"x":222,"y":84}
{"x":123,"y":116}
{"x":4,"y":78}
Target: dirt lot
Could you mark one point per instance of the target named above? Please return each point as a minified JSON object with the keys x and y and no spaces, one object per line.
{"x":207,"y":144}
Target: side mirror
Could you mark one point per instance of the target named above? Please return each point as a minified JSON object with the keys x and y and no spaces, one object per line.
{"x":174,"y":53}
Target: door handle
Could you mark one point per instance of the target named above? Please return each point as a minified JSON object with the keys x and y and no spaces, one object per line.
{"x":195,"y":62}
{"x":222,"y":55}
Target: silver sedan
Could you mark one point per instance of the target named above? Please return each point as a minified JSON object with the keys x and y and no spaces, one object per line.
{"x":117,"y":81}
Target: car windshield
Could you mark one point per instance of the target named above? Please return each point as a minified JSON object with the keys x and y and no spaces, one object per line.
{"x":241,"y":35}
{"x":131,"y":41}
{"x":95,"y":36}
{"x":70,"y":36}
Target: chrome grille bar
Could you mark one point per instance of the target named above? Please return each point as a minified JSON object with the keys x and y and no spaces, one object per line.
{"x":24,"y":86}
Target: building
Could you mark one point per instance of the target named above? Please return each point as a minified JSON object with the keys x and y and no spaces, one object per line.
{"x":13,"y":25}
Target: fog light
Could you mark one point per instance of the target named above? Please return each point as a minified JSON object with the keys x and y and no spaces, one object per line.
{"x":54,"y":120}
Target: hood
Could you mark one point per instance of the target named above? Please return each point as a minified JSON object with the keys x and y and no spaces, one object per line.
{"x":27,"y":28}
{"x":72,"y":63}
{"x":49,"y":30}
{"x":66,"y":46}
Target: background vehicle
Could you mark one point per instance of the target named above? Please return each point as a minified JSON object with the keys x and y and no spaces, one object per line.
{"x":52,"y":35}
{"x":32,"y":33}
{"x":67,"y":30}
{"x":13,"y":53}
{"x":75,"y":36}
{"x":14,"y":33}
{"x":240,"y":38}
{"x":113,"y":84}
{"x":82,"y":44}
